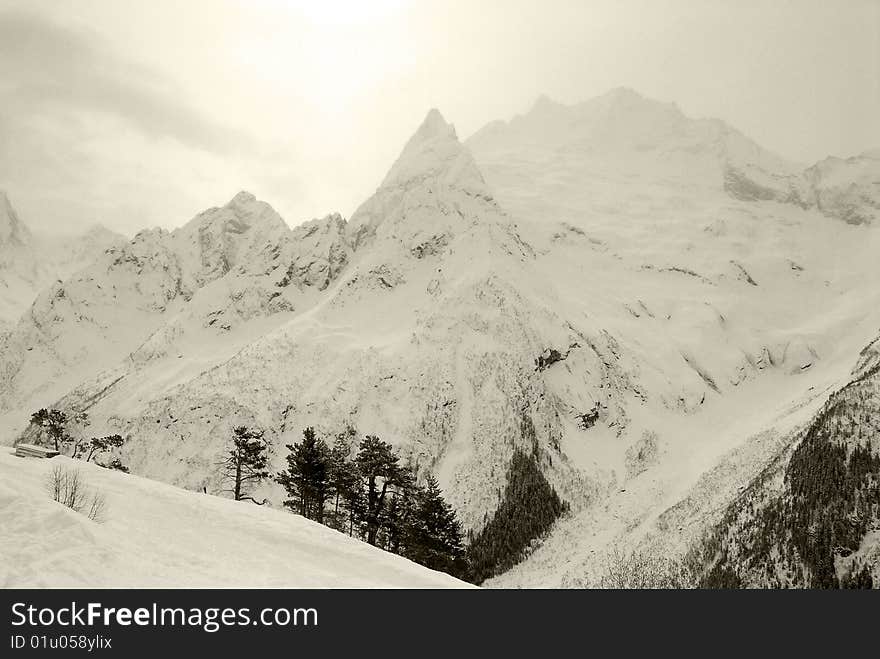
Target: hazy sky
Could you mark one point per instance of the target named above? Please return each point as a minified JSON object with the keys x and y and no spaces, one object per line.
{"x":135,"y":113}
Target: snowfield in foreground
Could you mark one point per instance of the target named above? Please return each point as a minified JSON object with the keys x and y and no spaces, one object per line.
{"x":156,"y":535}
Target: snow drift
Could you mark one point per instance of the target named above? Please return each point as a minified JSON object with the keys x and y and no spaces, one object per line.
{"x":158,"y":536}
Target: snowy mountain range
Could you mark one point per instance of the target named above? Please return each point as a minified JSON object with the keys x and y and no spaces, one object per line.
{"x":628,"y":137}
{"x":649,"y":305}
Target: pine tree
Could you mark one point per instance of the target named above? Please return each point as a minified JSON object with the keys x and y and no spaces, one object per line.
{"x":378,"y":466}
{"x":245,"y":464}
{"x":436,"y":536}
{"x":80,"y":443}
{"x":397,"y":519}
{"x":98,"y":445}
{"x":307,"y":479}
{"x":54,"y":424}
{"x":356,"y":504}
{"x":341,"y":476}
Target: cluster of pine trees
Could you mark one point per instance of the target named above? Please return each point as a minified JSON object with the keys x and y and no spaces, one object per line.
{"x":370,"y":495}
{"x":858,"y":578}
{"x":373,"y":496}
{"x":528,"y":509}
{"x":834,"y":498}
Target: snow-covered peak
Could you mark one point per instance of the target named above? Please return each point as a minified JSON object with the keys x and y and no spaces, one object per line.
{"x":242,"y":199}
{"x":240,"y":214}
{"x":434,"y":152}
{"x":545,"y":104}
{"x":627,"y":136}
{"x":69,"y":253}
{"x":423,"y":193}
{"x":628,"y":95}
{"x":613,"y":102}
{"x":619,"y":120}
{"x":219,"y":239}
{"x":12,"y":229}
{"x":239,"y":219}
{"x":99,"y":230}
{"x":317,"y":252}
{"x":96,"y":238}
{"x":433,"y":126}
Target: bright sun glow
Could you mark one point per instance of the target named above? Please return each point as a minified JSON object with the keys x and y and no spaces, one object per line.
{"x":344,"y":12}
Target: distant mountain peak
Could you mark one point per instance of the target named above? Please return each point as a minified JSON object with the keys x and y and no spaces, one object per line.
{"x":434,"y":173}
{"x":544,"y":103}
{"x":242,"y":198}
{"x":623,"y":93}
{"x":434,"y":151}
{"x":614,"y":96}
{"x":12,"y":230}
{"x":434,"y":126}
{"x":241,"y":214}
{"x":98,"y":229}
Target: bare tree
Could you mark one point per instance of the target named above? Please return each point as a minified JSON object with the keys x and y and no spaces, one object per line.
{"x":69,"y":489}
{"x":642,"y":570}
{"x":96,"y":507}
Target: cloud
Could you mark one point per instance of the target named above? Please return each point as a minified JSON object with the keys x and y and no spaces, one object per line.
{"x":51,"y":69}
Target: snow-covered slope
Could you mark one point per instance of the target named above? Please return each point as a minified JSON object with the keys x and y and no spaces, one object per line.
{"x":158,"y":536}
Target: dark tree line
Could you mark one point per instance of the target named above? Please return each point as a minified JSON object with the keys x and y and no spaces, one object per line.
{"x":371,"y":495}
{"x":528,"y":509}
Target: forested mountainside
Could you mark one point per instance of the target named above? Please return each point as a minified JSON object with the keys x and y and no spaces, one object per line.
{"x":812,"y":518}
